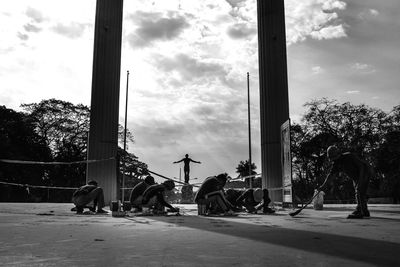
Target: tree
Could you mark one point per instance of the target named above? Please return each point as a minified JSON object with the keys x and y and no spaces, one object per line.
{"x":19,"y":141}
{"x":61,"y":124}
{"x":64,"y":127}
{"x":243,"y":170}
{"x":355,"y":128}
{"x":388,"y":157}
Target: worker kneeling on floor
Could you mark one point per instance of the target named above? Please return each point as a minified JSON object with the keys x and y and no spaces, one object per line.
{"x":254,"y":200}
{"x":210,"y":197}
{"x":153,"y":198}
{"x":136,"y":196}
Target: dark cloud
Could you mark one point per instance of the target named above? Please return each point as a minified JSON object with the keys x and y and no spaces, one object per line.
{"x":22,"y":36}
{"x":241,"y":31}
{"x":235,"y":3}
{"x":190,"y":67}
{"x":34,"y":14}
{"x":73,"y":30}
{"x":155,"y":26}
{"x":31,"y":28}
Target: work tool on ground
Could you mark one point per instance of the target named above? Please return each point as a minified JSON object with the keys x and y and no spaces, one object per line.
{"x":294,"y":213}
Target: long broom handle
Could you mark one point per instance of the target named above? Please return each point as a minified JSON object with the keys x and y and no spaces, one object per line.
{"x":302,"y":208}
{"x":309,"y":202}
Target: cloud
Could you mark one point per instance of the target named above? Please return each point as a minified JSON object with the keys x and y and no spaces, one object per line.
{"x":317,"y":70}
{"x":359,"y":66}
{"x":34,"y":14}
{"x":329,"y":32}
{"x":353,"y":92}
{"x":72,"y":30}
{"x":317,"y":19}
{"x":362,"y":68}
{"x":241,"y":31}
{"x":22,"y":36}
{"x":31,"y":28}
{"x":374,"y":12}
{"x":156,"y":26}
{"x":368,"y":13}
{"x":235,"y":3}
{"x":191,"y":68}
{"x":331,"y":5}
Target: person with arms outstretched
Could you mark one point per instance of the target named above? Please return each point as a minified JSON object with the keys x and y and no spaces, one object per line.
{"x":186,"y":168}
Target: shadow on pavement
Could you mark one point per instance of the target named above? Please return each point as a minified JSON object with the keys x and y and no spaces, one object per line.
{"x":380,"y":253}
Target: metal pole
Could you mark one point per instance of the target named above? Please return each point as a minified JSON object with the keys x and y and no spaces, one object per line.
{"x":248,"y":116}
{"x":125,"y":129}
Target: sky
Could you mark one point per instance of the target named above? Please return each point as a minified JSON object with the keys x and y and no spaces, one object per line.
{"x":188,"y":62}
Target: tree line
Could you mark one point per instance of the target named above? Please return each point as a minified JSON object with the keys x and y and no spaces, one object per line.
{"x":49,"y":131}
{"x":56,"y":130}
{"x":371,"y":133}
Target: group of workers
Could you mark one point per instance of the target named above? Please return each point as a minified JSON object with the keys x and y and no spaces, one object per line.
{"x":148,"y":194}
{"x":216,"y":200}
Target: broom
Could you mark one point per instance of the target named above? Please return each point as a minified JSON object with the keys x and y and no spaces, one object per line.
{"x":294,"y":213}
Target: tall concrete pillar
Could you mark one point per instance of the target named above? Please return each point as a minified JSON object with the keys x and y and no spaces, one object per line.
{"x":103,"y":133}
{"x":274,"y":100}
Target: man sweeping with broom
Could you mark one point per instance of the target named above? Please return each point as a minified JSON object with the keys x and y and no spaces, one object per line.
{"x":356,"y":169}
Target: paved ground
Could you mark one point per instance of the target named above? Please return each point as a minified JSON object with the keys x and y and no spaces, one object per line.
{"x":51,"y":235}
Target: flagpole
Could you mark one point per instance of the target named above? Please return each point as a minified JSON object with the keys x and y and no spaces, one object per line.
{"x":125,"y":130}
{"x":248,"y":117}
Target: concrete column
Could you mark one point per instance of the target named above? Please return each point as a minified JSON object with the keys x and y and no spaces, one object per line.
{"x":103,"y":133}
{"x":274,"y":101}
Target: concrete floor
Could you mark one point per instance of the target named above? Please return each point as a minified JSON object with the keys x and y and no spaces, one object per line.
{"x":46,"y":234}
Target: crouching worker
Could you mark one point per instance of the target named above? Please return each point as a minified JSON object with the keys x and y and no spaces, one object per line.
{"x":153,"y":197}
{"x":86,"y":194}
{"x":254,"y":200}
{"x":211,"y":194}
{"x":232,"y":195}
{"x":136,"y":196}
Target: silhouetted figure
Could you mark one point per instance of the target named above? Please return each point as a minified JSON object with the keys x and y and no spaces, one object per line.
{"x":136,"y":196}
{"x":153,"y":196}
{"x":86,"y":194}
{"x":356,"y":169}
{"x":186,"y":168}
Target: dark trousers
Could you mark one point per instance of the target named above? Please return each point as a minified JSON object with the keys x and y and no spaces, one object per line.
{"x":186,"y":173}
{"x":361,"y":187}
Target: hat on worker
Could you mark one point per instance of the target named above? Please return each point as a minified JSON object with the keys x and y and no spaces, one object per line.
{"x":169,"y":184}
{"x":149,"y":180}
{"x":92,"y":182}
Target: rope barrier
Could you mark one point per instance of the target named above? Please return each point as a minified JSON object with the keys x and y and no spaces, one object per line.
{"x":53,"y":162}
{"x":38,"y":186}
{"x":165,"y":177}
{"x":245,"y":177}
{"x":280,"y":188}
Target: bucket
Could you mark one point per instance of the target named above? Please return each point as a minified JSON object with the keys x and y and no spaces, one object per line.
{"x":202,"y":207}
{"x":114,"y":206}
